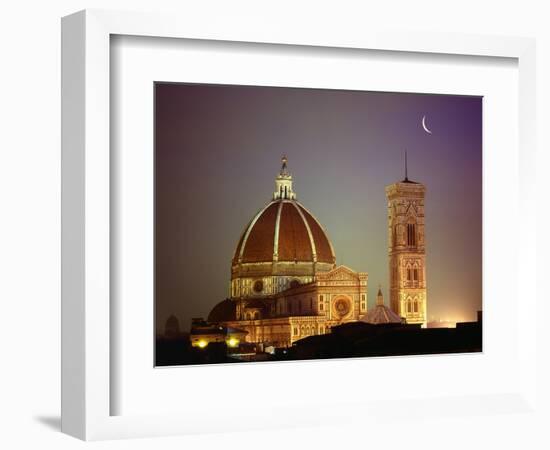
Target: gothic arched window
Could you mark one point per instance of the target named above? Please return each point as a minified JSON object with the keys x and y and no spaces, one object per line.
{"x":409,"y":305}
{"x":411,"y":235}
{"x":415,"y":305}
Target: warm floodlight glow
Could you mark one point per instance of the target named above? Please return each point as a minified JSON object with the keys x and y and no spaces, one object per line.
{"x":232,"y":342}
{"x":202,"y":343}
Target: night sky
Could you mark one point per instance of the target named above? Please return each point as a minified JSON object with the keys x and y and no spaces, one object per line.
{"x":218,"y":150}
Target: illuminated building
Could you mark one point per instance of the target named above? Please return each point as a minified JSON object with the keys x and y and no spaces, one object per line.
{"x":406,"y":248}
{"x":285,"y":284}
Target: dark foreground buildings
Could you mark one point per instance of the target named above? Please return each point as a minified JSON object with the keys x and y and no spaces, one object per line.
{"x":354,"y":339}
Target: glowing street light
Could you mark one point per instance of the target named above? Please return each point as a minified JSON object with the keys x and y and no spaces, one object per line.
{"x":232,"y":342}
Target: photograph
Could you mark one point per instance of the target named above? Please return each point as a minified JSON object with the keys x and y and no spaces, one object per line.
{"x":300,"y":224}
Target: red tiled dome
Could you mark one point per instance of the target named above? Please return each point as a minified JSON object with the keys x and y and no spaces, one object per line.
{"x":284,"y":231}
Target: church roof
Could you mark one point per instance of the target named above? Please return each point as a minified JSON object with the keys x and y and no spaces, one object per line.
{"x":381,"y":314}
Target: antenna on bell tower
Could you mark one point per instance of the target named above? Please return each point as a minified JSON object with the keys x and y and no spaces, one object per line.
{"x":406,"y":168}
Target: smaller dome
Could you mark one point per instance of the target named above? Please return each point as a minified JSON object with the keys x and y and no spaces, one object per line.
{"x":382,"y":314}
{"x":224,"y":311}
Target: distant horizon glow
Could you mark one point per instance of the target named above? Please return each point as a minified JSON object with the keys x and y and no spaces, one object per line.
{"x":218,"y":149}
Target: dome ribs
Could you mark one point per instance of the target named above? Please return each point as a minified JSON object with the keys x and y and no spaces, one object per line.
{"x":283,"y":231}
{"x":258,"y":247}
{"x":294,"y":243}
{"x":239,"y":245}
{"x":311,"y":239}
{"x":323,"y":248}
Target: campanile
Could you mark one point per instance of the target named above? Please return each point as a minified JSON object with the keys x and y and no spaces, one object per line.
{"x":407,"y":249}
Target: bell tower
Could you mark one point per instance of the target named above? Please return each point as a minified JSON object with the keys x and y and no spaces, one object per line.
{"x":406,"y":249}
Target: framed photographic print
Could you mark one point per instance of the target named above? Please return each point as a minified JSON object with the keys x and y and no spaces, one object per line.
{"x":294,"y":292}
{"x":293,"y":217}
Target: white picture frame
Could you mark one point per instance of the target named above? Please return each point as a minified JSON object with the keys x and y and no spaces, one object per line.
{"x":86,"y":245}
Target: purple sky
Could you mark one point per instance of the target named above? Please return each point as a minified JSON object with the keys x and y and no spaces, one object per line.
{"x":218,"y":149}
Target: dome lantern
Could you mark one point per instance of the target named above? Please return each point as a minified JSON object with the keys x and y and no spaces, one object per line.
{"x":283,"y":183}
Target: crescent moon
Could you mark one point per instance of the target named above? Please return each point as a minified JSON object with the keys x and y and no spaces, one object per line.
{"x":424,"y":125}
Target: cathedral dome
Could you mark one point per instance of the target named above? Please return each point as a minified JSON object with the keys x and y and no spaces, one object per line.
{"x":284,"y":231}
{"x":282,"y":246}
